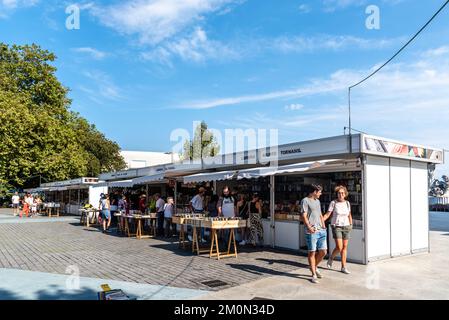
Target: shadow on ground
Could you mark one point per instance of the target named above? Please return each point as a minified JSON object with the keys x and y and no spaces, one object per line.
{"x":82,"y":294}
{"x":261,"y":271}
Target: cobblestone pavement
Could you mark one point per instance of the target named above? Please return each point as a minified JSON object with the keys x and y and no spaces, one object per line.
{"x":54,"y":246}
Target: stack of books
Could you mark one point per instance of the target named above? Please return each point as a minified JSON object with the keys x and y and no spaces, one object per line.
{"x":117,"y":294}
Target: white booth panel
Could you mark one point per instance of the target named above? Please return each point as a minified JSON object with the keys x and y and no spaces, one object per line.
{"x":355,"y":246}
{"x":419,"y":207}
{"x":266,"y":232}
{"x":94,"y":194}
{"x":286,"y":235}
{"x":400,"y":207}
{"x":377,"y":195}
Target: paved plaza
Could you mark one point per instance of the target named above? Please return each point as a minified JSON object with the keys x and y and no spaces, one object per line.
{"x":40,"y":258}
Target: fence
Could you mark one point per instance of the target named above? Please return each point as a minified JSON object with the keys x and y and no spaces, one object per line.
{"x":439,"y":203}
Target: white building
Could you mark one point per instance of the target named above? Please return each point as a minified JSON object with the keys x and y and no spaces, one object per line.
{"x":141,"y":159}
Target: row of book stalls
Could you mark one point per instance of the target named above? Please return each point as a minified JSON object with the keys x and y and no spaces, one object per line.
{"x":387,"y":182}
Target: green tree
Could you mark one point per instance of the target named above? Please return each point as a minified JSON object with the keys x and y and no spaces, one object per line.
{"x":39,"y":134}
{"x":204,"y":144}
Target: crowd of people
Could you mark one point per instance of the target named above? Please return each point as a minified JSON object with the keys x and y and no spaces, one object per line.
{"x":227,"y":205}
{"x":27,"y":205}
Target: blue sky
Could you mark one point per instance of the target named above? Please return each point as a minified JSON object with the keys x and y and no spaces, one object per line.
{"x":139,"y":69}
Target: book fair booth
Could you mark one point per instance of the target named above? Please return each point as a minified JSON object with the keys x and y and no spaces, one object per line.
{"x":387,"y":182}
{"x":66,"y":196}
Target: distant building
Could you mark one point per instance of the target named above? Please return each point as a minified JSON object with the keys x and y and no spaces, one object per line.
{"x":141,"y":159}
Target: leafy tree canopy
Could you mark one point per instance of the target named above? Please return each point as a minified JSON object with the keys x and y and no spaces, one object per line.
{"x":39,"y":134}
{"x":204,"y":144}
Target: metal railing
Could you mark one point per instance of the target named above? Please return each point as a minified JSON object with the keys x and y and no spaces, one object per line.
{"x":439,"y":203}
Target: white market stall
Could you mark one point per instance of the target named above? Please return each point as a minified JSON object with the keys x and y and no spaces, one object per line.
{"x":387,"y":181}
{"x":70,"y":194}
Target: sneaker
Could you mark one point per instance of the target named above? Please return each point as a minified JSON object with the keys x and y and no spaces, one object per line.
{"x":203,"y":240}
{"x":318,"y":274}
{"x":190,"y":238}
{"x":315,"y":279}
{"x":345,"y":271}
{"x":242,"y":243}
{"x":329,"y":263}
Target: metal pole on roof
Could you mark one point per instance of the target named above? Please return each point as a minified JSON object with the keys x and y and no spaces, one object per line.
{"x":350,"y":128}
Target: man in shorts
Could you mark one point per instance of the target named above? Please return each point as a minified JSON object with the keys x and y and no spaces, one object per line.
{"x":15,"y":199}
{"x":316,"y":235}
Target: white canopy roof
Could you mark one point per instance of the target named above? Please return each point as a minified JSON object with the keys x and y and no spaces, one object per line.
{"x":149,"y":179}
{"x":121,"y":184}
{"x":255,"y":172}
{"x":210,"y":176}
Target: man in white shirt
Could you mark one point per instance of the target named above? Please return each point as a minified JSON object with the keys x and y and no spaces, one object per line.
{"x":15,"y":199}
{"x":168,"y":215}
{"x":197,"y":206}
{"x":160,"y":203}
{"x":226,"y":205}
{"x":197,"y":202}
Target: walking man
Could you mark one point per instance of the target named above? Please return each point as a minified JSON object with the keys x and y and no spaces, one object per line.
{"x":160,"y":206}
{"x":15,"y":199}
{"x":315,"y":229}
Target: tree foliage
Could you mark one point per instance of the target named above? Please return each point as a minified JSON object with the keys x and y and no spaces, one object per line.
{"x":39,"y":134}
{"x":204,"y":144}
{"x":439,"y":188}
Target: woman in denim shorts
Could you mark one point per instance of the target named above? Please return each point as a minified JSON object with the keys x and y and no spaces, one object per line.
{"x":340,"y":210}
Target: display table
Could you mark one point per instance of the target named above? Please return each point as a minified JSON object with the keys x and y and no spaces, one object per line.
{"x":52,"y":208}
{"x":179,"y":219}
{"x":215,"y":224}
{"x":89,"y":214}
{"x":137,"y":220}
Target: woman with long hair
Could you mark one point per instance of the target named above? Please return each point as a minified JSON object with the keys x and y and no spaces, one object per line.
{"x":340,"y":210}
{"x":255,"y":216}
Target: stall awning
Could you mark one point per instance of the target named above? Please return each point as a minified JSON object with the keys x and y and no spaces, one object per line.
{"x":272,"y":171}
{"x":149,"y":179}
{"x":255,"y":172}
{"x":210,"y":176}
{"x":58,"y":189}
{"x":121,"y":184}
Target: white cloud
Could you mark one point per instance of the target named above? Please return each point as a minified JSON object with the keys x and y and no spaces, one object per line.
{"x":13,"y":4}
{"x":8,"y":6}
{"x":104,"y":86}
{"x":304,"y":8}
{"x":196,"y":47}
{"x":328,"y":42}
{"x":94,"y":53}
{"x":332,"y":5}
{"x":436,"y":52}
{"x":156,"y":20}
{"x":333,"y":84}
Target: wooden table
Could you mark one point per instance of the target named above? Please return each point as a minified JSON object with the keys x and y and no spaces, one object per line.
{"x":139,"y":233}
{"x":49,"y":209}
{"x":180,"y":219}
{"x":215,"y":224}
{"x":84,"y":219}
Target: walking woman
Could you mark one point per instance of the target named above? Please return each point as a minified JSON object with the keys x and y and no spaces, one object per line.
{"x":105,"y":208}
{"x":255,"y":215}
{"x":341,"y":224}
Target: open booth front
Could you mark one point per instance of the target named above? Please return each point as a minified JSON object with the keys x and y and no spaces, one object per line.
{"x":69,"y":195}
